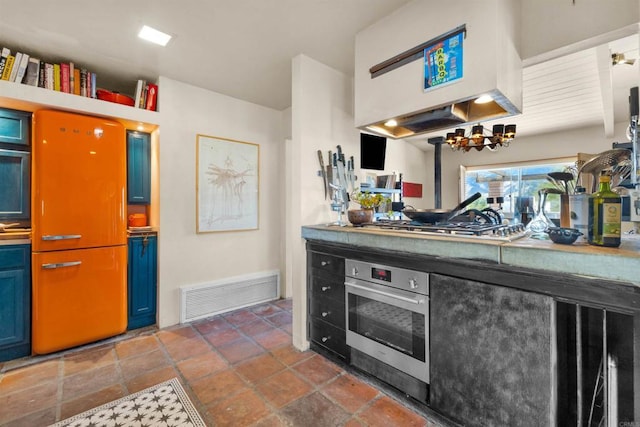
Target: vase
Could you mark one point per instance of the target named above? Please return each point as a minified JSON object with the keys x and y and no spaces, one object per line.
{"x":360,"y":216}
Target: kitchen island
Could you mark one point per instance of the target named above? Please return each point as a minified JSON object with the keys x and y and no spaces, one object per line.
{"x":508,"y":320}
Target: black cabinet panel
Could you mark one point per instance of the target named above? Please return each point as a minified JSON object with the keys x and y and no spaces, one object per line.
{"x":328,"y":263}
{"x":329,"y":337}
{"x":328,"y":310}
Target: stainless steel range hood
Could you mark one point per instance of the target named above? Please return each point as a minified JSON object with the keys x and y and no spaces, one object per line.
{"x":389,"y":97}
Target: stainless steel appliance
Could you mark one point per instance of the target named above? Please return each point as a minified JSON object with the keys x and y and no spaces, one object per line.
{"x":387,"y":315}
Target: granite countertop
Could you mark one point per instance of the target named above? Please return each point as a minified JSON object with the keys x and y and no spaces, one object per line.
{"x":622,"y":264}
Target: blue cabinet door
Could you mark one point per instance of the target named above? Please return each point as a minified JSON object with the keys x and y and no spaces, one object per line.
{"x":15,"y":301}
{"x":15,"y":184}
{"x":15,"y":128}
{"x":138,"y":168}
{"x":142,"y":283}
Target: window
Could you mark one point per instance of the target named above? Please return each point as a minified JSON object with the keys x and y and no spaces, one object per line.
{"x":518,"y":184}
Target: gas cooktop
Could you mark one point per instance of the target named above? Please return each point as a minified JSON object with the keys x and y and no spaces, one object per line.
{"x":487,"y":231}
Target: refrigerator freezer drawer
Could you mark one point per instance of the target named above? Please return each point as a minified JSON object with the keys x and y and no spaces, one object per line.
{"x":79,"y":296}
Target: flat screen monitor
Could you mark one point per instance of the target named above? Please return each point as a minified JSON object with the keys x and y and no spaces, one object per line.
{"x":373,"y":150}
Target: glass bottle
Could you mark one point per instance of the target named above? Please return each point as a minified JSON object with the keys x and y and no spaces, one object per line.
{"x":605,"y":211}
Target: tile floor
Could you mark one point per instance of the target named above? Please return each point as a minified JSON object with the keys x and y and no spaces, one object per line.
{"x":238,"y":368}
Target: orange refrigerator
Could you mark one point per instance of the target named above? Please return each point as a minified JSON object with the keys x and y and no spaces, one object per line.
{"x":79,"y":236}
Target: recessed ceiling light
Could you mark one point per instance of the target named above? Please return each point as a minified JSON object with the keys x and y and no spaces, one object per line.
{"x":154,"y":36}
{"x":483,"y":99}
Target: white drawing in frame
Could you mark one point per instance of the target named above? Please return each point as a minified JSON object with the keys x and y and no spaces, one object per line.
{"x":227,"y":176}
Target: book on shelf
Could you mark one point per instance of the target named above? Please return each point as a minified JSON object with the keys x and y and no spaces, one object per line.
{"x":56,"y":77}
{"x":64,"y":78}
{"x":48,"y":78}
{"x":22,"y":68}
{"x":83,"y":82}
{"x":76,"y":81}
{"x":72,"y":78}
{"x":3,"y":59}
{"x":16,"y":65}
{"x":42,"y":75}
{"x":31,"y":77}
{"x":6,"y":73}
{"x":139,"y":92}
{"x":152,"y":97}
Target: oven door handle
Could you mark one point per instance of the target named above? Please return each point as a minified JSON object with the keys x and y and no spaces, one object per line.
{"x":386,"y":294}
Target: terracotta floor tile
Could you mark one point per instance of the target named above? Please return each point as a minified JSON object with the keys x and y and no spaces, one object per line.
{"x":386,"y":412}
{"x":256,"y":327}
{"x":354,"y":422}
{"x":136,"y":346}
{"x":89,"y":359}
{"x":259,"y":368}
{"x":87,"y":401}
{"x":316,"y":407}
{"x":317,"y":369}
{"x":290,"y":355}
{"x":283,"y":388}
{"x":27,"y":401}
{"x":285,"y":304}
{"x":28,"y":376}
{"x":214,"y":324}
{"x":272,"y":421}
{"x":202,"y":365}
{"x":41,"y":418}
{"x":273,"y":339}
{"x":183,"y":349}
{"x":240,"y":317}
{"x":350,"y":393}
{"x":220,"y":338}
{"x":133,"y":366}
{"x":215,"y":387}
{"x":280,"y":319}
{"x":151,"y":378}
{"x":265,"y":309}
{"x":90,"y":381}
{"x":241,"y":410}
{"x":168,"y":336}
{"x":240,"y":350}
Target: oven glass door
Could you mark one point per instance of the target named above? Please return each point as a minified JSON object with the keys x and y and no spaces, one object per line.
{"x":390,"y":325}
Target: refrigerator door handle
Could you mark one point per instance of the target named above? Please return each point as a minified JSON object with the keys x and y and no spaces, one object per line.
{"x":61,"y":264}
{"x":62,"y":237}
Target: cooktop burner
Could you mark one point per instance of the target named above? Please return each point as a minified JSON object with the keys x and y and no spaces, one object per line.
{"x":499,"y":232}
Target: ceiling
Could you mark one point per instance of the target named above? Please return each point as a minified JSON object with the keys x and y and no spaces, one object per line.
{"x":243,"y":48}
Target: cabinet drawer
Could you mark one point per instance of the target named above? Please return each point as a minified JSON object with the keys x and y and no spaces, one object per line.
{"x":328,"y":310}
{"x":329,"y":336}
{"x":327,"y":288}
{"x":14,"y":256}
{"x":328,"y":263}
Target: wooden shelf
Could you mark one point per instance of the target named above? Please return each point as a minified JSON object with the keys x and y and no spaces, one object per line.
{"x":30,"y":98}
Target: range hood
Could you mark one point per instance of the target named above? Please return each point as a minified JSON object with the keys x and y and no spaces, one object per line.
{"x":389,"y":97}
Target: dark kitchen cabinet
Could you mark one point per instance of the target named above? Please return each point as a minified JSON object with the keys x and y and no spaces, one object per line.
{"x":138,"y":168}
{"x":491,"y":353}
{"x":15,"y":301}
{"x":142,"y":281}
{"x":15,"y":171}
{"x":326,"y":303}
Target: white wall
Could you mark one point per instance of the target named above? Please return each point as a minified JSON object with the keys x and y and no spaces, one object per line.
{"x":561,"y":144}
{"x":187,"y":258}
{"x":322,"y":118}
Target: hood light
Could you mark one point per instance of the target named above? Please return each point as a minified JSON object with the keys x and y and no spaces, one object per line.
{"x":483,"y":99}
{"x":391,"y":123}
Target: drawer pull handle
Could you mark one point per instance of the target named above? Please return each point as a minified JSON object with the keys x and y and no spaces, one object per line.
{"x":325,"y":313}
{"x":325,"y":263}
{"x":325,"y":339}
{"x":62,"y":237}
{"x":325,"y":288}
{"x":60,"y":265}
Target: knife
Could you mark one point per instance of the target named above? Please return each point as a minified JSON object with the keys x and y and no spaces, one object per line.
{"x":330,"y":175}
{"x":323,"y":172}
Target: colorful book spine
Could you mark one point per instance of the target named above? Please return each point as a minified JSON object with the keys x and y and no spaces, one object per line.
{"x":42,"y":75}
{"x":94,"y":85}
{"x":76,"y":81}
{"x":15,"y":66}
{"x":3,"y":59}
{"x":83,"y":82}
{"x":152,"y":97}
{"x":6,"y":73}
{"x":64,"y":78}
{"x":49,"y":84}
{"x":33,"y":71}
{"x":22,"y":68}
{"x":56,"y":77}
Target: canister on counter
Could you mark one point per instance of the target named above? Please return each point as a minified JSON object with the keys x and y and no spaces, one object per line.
{"x":579,"y":211}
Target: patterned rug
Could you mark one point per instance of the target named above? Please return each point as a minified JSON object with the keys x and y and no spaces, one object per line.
{"x":163,"y":405}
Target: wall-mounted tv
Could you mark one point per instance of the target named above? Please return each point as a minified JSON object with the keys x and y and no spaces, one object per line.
{"x":373,"y":150}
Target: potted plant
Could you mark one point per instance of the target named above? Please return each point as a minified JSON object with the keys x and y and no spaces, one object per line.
{"x":368,"y":203}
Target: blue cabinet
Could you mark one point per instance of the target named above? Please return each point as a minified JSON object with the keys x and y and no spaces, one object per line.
{"x":138,"y":168}
{"x":142,"y":281}
{"x":15,"y":301}
{"x":15,"y":175}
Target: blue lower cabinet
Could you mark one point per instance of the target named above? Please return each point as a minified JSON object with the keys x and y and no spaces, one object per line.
{"x":15,"y":301}
{"x":142,"y":281}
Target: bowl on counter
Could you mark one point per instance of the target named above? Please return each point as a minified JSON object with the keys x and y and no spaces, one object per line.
{"x":563,"y":235}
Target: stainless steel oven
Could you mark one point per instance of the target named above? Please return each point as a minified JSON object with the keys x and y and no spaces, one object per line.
{"x":387,"y":315}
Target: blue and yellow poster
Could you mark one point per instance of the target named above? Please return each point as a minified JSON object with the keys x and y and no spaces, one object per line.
{"x":443,"y":62}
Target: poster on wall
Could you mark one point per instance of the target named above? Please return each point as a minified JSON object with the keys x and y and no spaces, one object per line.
{"x":443,"y":61}
{"x":227,"y":184}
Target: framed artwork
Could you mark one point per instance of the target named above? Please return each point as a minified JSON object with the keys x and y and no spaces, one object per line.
{"x":227,"y":184}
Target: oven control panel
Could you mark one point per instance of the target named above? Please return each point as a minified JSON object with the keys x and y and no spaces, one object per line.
{"x":401,"y":278}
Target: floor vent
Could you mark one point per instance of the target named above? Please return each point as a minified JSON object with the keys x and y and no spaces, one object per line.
{"x":199,"y":301}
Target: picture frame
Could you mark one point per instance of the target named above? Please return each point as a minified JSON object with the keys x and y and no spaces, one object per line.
{"x":227,"y":184}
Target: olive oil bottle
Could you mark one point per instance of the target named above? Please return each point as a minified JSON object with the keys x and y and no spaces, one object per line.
{"x":605,"y":211}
